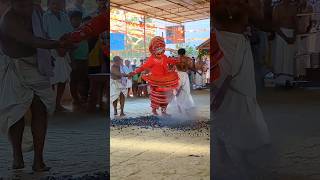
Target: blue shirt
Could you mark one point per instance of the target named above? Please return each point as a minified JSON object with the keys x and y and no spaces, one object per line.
{"x":54,"y":27}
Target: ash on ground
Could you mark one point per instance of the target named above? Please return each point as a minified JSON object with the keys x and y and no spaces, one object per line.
{"x":96,"y":176}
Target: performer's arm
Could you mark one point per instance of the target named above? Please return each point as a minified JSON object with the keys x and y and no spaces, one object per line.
{"x":172,"y":61}
{"x":147,"y":65}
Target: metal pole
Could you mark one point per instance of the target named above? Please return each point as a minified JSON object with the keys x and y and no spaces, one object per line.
{"x":144,"y":36}
{"x":126,"y":36}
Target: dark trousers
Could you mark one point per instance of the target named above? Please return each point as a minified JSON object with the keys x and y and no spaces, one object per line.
{"x":79,"y":79}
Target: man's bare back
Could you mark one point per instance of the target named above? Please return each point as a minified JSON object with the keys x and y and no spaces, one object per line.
{"x":185,"y":64}
{"x":16,"y":34}
{"x":115,"y":72}
{"x":12,"y":46}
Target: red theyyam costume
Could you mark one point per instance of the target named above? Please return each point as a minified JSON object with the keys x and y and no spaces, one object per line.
{"x":162,"y":81}
{"x":92,"y":28}
{"x":216,"y":56}
{"x":216,"y":53}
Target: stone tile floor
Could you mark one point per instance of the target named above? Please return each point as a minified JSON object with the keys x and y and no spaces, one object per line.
{"x":77,"y":145}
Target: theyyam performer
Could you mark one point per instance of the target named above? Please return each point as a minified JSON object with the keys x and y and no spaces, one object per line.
{"x":162,"y":81}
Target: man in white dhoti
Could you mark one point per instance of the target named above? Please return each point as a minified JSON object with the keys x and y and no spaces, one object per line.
{"x":184,"y":99}
{"x":24,"y":79}
{"x":200,"y":74}
{"x":284,"y":20}
{"x":118,"y":85}
{"x":238,"y":123}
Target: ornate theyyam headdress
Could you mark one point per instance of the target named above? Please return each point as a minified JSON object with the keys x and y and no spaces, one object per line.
{"x":157,"y":45}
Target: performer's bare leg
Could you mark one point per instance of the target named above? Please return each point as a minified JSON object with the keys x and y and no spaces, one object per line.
{"x":115,"y":104}
{"x":15,"y":135}
{"x":154,"y":111}
{"x":39,"y":130}
{"x":60,"y":90}
{"x":164,"y":111}
{"x":122,"y":101}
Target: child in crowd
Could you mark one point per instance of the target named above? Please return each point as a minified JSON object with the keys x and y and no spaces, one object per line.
{"x":56,"y":23}
{"x":79,"y":64}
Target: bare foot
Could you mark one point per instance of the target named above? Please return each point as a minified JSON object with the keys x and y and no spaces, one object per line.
{"x":154,"y":112}
{"x":60,"y":108}
{"x":40,"y":168}
{"x":122,"y":114}
{"x":165,"y":114}
{"x":18,"y":165}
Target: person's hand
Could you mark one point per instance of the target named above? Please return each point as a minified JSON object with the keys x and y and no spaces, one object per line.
{"x":130,"y":75}
{"x":61,"y":52}
{"x":66,"y":37}
{"x":66,"y":41}
{"x":65,"y":44}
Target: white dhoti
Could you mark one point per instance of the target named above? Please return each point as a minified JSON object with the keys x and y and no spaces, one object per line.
{"x":129,"y":83}
{"x":20,"y":81}
{"x":184,"y":98}
{"x":239,"y":121}
{"x":204,"y":78}
{"x":284,"y":62}
{"x":116,"y":88}
{"x":62,"y":68}
{"x":199,"y":79}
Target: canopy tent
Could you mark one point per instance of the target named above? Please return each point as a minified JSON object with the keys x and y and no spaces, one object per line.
{"x":175,"y":11}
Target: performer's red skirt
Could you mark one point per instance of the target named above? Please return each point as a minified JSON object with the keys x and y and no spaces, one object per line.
{"x":161,"y":88}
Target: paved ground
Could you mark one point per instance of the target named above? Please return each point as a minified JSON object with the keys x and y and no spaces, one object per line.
{"x":76,"y":145}
{"x":293,"y":117}
{"x":170,"y":153}
{"x":174,"y":150}
{"x":294,"y":123}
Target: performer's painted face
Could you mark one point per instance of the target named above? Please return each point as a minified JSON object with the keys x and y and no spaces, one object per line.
{"x":159,"y":51}
{"x":157,"y":46}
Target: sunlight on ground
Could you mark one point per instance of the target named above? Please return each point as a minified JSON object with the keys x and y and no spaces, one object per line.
{"x":158,"y":146}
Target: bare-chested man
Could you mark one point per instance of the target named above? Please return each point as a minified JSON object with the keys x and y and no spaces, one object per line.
{"x":118,"y":88}
{"x":22,"y":86}
{"x":184,"y":98}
